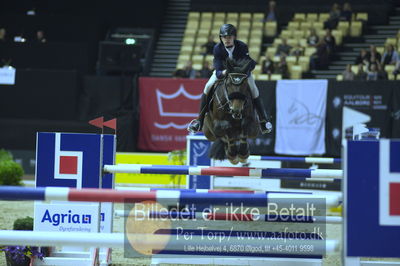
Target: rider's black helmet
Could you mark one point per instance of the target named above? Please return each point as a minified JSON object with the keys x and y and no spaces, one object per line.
{"x":227,"y":30}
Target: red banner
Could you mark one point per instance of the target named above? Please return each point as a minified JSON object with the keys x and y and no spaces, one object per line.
{"x":166,"y":107}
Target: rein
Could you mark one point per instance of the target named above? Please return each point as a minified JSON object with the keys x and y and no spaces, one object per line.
{"x":227,"y":99}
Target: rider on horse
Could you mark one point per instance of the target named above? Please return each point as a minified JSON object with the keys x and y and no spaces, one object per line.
{"x":231,"y":48}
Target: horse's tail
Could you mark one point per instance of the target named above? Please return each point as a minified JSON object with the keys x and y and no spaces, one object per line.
{"x":217,"y":150}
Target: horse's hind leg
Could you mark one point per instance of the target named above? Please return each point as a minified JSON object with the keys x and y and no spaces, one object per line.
{"x":244,"y":151}
{"x":232,"y":151}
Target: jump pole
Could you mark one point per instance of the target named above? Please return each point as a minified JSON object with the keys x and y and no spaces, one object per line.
{"x":162,"y":196}
{"x":233,"y":217}
{"x":116,"y":240}
{"x":313,"y":160}
{"x":223,"y":171}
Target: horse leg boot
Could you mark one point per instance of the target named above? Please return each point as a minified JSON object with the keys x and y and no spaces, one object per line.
{"x":244,"y":151}
{"x":265,"y":124}
{"x":197,"y":124}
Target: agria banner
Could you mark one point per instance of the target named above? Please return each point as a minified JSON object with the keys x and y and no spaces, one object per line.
{"x":166,"y":108}
{"x":73,"y":160}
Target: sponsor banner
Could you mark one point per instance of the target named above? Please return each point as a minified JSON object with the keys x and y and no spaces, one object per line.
{"x":73,"y":160}
{"x":372,"y":198}
{"x":68,"y":160}
{"x":148,"y":180}
{"x":198,"y":148}
{"x":57,"y":217}
{"x":301,"y":112}
{"x":365,"y":97}
{"x":166,"y":108}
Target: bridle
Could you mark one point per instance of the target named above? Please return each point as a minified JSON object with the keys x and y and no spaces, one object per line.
{"x":236,"y":80}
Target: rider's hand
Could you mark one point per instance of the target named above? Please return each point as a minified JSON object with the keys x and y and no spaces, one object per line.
{"x":224,"y":72}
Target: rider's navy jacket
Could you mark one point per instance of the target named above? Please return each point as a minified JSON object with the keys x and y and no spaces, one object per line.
{"x":241,"y":51}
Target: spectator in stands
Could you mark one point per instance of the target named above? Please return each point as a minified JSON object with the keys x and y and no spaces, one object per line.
{"x":334,"y":16}
{"x":362,"y":58}
{"x":208,"y":47}
{"x":373,"y":52}
{"x":186,"y":72}
{"x":267,"y":66}
{"x":190,"y":72}
{"x":270,"y":15}
{"x":373,"y":60}
{"x":330,"y":42}
{"x":382,"y":75}
{"x":282,"y":67}
{"x":40,"y":36}
{"x":348,"y":74}
{"x":346,"y":13}
{"x":389,"y":56}
{"x":313,"y":38}
{"x":396,"y":70}
{"x":361,"y":74}
{"x":206,"y":71}
{"x":372,"y":74}
{"x":319,"y":59}
{"x":297,"y":51}
{"x":283,"y":48}
{"x":3,"y":33}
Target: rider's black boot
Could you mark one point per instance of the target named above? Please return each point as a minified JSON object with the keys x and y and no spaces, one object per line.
{"x":197,"y":124}
{"x":265,"y":124}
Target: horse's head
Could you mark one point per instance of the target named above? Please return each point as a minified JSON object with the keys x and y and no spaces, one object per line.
{"x":236,"y":86}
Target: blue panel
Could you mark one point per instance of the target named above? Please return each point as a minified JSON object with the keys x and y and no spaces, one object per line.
{"x":279,"y":172}
{"x":365,"y":236}
{"x":395,"y":157}
{"x":108,"y":158}
{"x":89,"y":144}
{"x":45,"y":144}
{"x":199,"y":156}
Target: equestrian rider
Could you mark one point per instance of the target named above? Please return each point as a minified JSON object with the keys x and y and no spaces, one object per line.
{"x":234,"y":49}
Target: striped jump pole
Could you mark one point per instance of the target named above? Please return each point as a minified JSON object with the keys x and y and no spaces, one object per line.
{"x":312,"y":160}
{"x":168,"y":197}
{"x":116,"y":240}
{"x":199,"y":190}
{"x":223,"y":171}
{"x":241,"y":217}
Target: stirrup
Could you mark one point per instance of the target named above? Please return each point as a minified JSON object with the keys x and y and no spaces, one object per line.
{"x":194,"y":126}
{"x":266,"y":127}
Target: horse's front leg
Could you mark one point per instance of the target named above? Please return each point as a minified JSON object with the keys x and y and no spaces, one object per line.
{"x":244,"y":150}
{"x":232,"y":150}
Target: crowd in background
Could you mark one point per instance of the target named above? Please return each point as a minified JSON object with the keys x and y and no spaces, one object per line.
{"x":325,"y":46}
{"x":371,"y":64}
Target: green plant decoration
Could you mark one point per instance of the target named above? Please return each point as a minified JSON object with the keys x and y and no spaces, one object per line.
{"x":10,"y":173}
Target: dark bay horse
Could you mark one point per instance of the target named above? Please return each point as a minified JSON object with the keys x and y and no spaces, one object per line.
{"x":231,"y":119}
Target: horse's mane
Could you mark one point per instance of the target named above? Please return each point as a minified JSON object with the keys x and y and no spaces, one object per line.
{"x":237,"y":66}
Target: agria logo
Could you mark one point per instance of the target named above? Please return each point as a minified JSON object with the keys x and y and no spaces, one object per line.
{"x":66,"y":218}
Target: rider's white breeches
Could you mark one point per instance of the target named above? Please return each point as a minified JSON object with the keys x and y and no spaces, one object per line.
{"x":250,"y":81}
